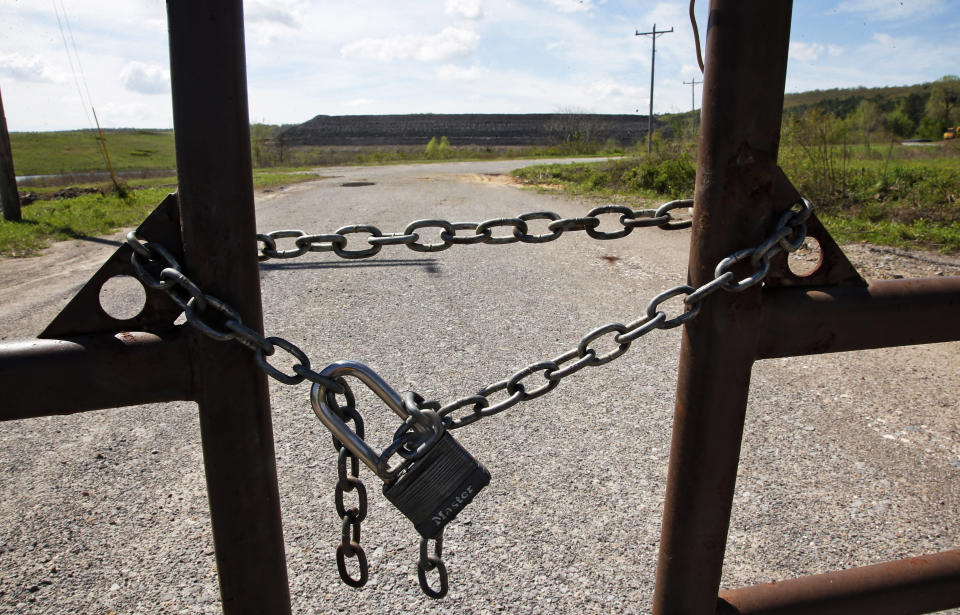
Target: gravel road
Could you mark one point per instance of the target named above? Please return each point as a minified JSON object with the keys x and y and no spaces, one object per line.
{"x":848,"y":459}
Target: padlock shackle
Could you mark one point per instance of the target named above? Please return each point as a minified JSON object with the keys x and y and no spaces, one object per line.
{"x":367,"y":376}
{"x":338,"y":427}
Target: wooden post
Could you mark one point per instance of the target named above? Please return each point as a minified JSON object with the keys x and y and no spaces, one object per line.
{"x":9,"y":197}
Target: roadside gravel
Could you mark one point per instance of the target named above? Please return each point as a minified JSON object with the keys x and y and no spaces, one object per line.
{"x":848,"y":459}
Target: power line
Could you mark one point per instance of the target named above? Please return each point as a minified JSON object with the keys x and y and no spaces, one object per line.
{"x":653,"y":59}
{"x":102,"y":141}
{"x":73,"y":70}
{"x":76,"y":54}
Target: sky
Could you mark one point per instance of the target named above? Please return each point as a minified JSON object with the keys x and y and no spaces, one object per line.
{"x":337,"y":57}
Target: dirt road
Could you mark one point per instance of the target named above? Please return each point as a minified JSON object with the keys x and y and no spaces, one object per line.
{"x":848,"y":459}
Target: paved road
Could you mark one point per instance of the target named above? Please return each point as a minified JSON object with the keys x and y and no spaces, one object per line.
{"x":848,"y":459}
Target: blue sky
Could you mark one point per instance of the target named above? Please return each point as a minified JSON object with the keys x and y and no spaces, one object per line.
{"x":440,"y":56}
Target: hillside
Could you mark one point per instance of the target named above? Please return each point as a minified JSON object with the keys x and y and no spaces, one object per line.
{"x":844,"y":101}
{"x":78,"y":151}
{"x":924,"y":110}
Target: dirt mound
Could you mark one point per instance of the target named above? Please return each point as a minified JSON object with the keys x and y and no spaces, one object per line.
{"x":468,"y":129}
{"x":64,"y":193}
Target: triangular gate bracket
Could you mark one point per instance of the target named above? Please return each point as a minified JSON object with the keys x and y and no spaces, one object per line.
{"x":834,"y":269}
{"x":85,"y":315}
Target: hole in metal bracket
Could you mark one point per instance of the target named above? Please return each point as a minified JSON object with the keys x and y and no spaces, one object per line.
{"x":122,"y":297}
{"x":807,"y":259}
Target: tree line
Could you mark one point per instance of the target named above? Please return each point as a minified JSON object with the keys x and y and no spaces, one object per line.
{"x":923,"y":112}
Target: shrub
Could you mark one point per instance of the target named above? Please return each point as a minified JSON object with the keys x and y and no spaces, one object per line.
{"x":433,"y":149}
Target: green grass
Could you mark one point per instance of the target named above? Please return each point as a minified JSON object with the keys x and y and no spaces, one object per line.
{"x":46,"y":153}
{"x":630,"y":180}
{"x":144,"y":160}
{"x":262,"y":178}
{"x":152,"y":151}
{"x":89,"y":215}
{"x":943,"y":237}
{"x":897,"y":196}
{"x":84,"y":216}
{"x":345,"y":155}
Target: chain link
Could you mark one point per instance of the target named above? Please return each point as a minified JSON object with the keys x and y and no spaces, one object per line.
{"x":788,"y":236}
{"x":214,"y":318}
{"x":429,"y":563}
{"x":482,"y":232}
{"x":350,"y":518}
{"x":348,"y":480}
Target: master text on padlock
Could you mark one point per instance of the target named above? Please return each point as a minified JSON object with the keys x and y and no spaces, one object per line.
{"x":455,"y":506}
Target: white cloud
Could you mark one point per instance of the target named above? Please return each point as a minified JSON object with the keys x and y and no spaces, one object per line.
{"x":571,"y":6}
{"x":893,"y":10}
{"x":883,"y":38}
{"x":145,"y":78}
{"x":271,"y":12}
{"x":448,"y":44}
{"x":32,"y":68}
{"x":117,"y":115}
{"x":267,"y":22}
{"x":834,"y":50}
{"x":806,"y":52}
{"x":609,"y":90}
{"x":449,"y":72}
{"x":467,"y":9}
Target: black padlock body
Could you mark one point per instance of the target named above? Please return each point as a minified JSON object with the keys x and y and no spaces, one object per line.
{"x":436,"y":487}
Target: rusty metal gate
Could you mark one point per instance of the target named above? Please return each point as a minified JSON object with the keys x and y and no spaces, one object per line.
{"x":100,"y":365}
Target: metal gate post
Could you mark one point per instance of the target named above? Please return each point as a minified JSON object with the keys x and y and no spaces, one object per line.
{"x":736,"y":174}
{"x":212,"y":134}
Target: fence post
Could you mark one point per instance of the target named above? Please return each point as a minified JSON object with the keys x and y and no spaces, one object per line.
{"x":9,"y":198}
{"x":214,"y":174}
{"x":736,"y":175}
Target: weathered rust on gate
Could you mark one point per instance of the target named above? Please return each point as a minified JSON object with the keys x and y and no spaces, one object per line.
{"x":739,"y":193}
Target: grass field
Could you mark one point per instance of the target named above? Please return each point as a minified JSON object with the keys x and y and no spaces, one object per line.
{"x":99,"y":213}
{"x":145,"y":161}
{"x":886,"y":194}
{"x":83,"y":216}
{"x":71,"y":152}
{"x":897,"y":195}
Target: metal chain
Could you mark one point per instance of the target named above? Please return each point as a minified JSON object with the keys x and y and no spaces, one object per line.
{"x":429,"y":563}
{"x":789,"y":236}
{"x":348,"y":479}
{"x":158,"y":269}
{"x":350,"y":518}
{"x":336,"y":242}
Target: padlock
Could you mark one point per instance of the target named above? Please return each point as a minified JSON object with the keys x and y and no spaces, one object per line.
{"x":437,"y":477}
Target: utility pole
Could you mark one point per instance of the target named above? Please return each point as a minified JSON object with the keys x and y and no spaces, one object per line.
{"x":693,"y":105}
{"x":653,"y":58}
{"x":693,"y":84}
{"x":9,"y":198}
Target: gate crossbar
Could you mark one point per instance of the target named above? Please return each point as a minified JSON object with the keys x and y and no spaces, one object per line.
{"x":906,"y":587}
